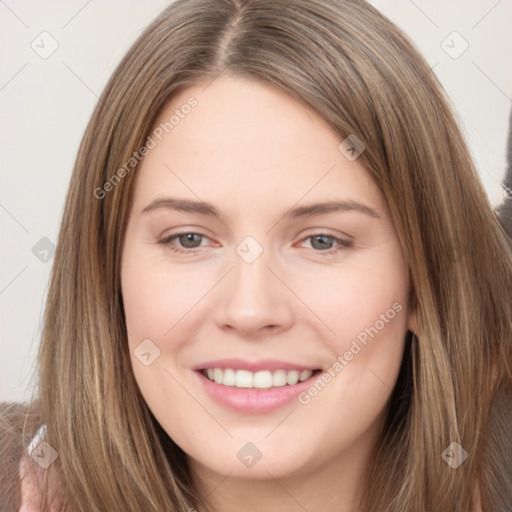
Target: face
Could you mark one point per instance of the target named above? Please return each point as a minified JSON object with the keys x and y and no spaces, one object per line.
{"x":266,"y":331}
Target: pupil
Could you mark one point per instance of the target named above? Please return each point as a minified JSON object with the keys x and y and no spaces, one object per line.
{"x":323,"y":242}
{"x":189,"y":238}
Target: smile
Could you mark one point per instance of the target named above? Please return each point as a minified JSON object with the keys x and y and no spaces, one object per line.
{"x":254,"y":387}
{"x":265,"y":379}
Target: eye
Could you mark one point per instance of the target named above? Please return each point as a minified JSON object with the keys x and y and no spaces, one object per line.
{"x":324,"y":243}
{"x":189,"y":242}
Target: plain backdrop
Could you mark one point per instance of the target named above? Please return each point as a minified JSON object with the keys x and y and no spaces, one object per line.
{"x":56,"y":58}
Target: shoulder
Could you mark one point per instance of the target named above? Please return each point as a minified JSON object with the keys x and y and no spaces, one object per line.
{"x":498,"y":457}
{"x":18,"y":428}
{"x":33,"y":464}
{"x":12,"y":420}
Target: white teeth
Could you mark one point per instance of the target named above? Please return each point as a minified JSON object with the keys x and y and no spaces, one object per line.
{"x":243,"y":379}
{"x":305,"y":374}
{"x":218,"y":375}
{"x":229,"y":378}
{"x":264,"y":379}
{"x":279,"y":378}
{"x":292,"y":377}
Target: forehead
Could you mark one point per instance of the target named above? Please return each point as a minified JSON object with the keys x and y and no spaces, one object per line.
{"x":246,"y":143}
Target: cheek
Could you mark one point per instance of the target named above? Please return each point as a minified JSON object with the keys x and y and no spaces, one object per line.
{"x":367,"y":309}
{"x":155,"y":300}
{"x":361,"y":303}
{"x":369,"y":312}
{"x":156,"y":296}
{"x":161,"y":304}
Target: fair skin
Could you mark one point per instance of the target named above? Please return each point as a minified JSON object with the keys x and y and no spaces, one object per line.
{"x":31,"y":476}
{"x":254,"y":152}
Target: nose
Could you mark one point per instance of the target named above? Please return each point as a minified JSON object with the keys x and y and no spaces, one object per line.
{"x":255,"y":300}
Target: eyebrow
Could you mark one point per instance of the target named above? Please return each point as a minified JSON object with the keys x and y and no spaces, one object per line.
{"x":203,"y":208}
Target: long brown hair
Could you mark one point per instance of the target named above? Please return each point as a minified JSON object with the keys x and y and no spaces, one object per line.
{"x":363,"y":76}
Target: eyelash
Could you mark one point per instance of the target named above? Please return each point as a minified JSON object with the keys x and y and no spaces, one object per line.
{"x":344,"y":244}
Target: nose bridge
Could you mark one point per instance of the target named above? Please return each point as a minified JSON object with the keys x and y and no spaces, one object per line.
{"x":251,"y":273}
{"x":255,"y":298}
{"x":251,"y":277}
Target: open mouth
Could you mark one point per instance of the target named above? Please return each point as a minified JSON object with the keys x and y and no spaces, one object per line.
{"x":262,"y":380}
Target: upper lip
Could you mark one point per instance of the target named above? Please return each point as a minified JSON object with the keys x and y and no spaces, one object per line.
{"x":253,"y":366}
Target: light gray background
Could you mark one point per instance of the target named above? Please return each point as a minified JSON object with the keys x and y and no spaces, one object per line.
{"x":46,"y":103}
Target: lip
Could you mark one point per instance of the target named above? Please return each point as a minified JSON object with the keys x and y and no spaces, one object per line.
{"x":253,"y":401}
{"x":253,"y":366}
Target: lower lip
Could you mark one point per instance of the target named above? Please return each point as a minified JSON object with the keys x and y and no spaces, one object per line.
{"x":253,"y":401}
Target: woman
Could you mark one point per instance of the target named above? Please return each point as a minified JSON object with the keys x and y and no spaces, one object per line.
{"x":278,"y":284}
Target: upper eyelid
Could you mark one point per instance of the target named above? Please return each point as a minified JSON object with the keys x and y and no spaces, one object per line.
{"x":181,"y":233}
{"x":303,"y":238}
